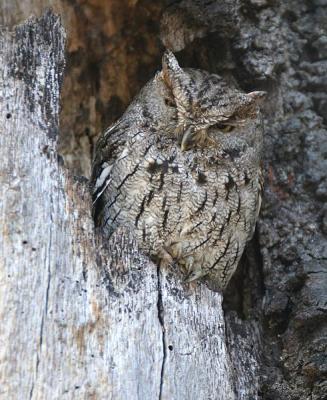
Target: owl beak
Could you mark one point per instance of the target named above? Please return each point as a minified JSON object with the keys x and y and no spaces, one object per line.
{"x":188,"y":139}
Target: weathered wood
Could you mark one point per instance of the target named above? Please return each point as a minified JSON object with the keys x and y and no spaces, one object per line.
{"x":82,"y":319}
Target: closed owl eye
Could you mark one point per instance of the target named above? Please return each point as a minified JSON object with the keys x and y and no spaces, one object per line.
{"x":169,"y":102}
{"x":223,"y":127}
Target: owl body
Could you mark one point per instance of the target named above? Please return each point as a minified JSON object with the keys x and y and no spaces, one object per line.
{"x":181,"y":169}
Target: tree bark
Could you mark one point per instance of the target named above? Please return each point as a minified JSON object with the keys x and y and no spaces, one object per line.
{"x":82,"y":318}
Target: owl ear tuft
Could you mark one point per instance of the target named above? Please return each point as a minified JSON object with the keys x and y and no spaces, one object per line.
{"x":257,"y":97}
{"x":177,"y":80}
{"x":170,"y":68}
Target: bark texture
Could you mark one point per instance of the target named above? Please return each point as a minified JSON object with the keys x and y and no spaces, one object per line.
{"x":275,"y":309}
{"x":113,"y":49}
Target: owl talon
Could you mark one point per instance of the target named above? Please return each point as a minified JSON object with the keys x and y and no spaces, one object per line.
{"x":194,"y":275}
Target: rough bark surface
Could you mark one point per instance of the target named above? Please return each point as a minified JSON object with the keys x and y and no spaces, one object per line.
{"x":113,"y":49}
{"x":83,"y":318}
{"x":275,"y":309}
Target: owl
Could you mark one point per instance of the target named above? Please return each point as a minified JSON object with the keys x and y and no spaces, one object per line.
{"x":181,"y":169}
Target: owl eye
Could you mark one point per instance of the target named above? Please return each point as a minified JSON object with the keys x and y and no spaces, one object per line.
{"x":169,"y":102}
{"x":222,"y":127}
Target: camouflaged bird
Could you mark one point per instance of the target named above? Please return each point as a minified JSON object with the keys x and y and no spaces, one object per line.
{"x":181,"y":169}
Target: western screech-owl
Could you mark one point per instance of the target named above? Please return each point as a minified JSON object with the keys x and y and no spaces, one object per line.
{"x":181,"y":168}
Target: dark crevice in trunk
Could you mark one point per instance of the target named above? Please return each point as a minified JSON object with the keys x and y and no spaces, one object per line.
{"x":162,"y":324}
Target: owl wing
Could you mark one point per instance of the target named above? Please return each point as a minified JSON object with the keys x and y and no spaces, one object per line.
{"x":109,"y":148}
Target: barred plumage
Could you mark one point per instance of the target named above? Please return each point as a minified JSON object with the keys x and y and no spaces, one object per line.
{"x":181,"y":168}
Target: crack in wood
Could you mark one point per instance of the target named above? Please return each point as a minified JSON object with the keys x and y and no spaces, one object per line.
{"x":162,"y":324}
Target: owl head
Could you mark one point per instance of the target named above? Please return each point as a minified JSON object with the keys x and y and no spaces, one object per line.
{"x":206,"y":105}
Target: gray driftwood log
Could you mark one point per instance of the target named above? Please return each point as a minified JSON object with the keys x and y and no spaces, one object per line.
{"x":83,"y":319}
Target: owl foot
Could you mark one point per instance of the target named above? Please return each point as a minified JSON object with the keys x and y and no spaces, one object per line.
{"x":165,"y":258}
{"x":192,"y":272}
{"x":194,"y":275}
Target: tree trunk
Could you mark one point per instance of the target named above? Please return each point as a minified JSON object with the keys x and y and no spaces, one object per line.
{"x":82,"y":318}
